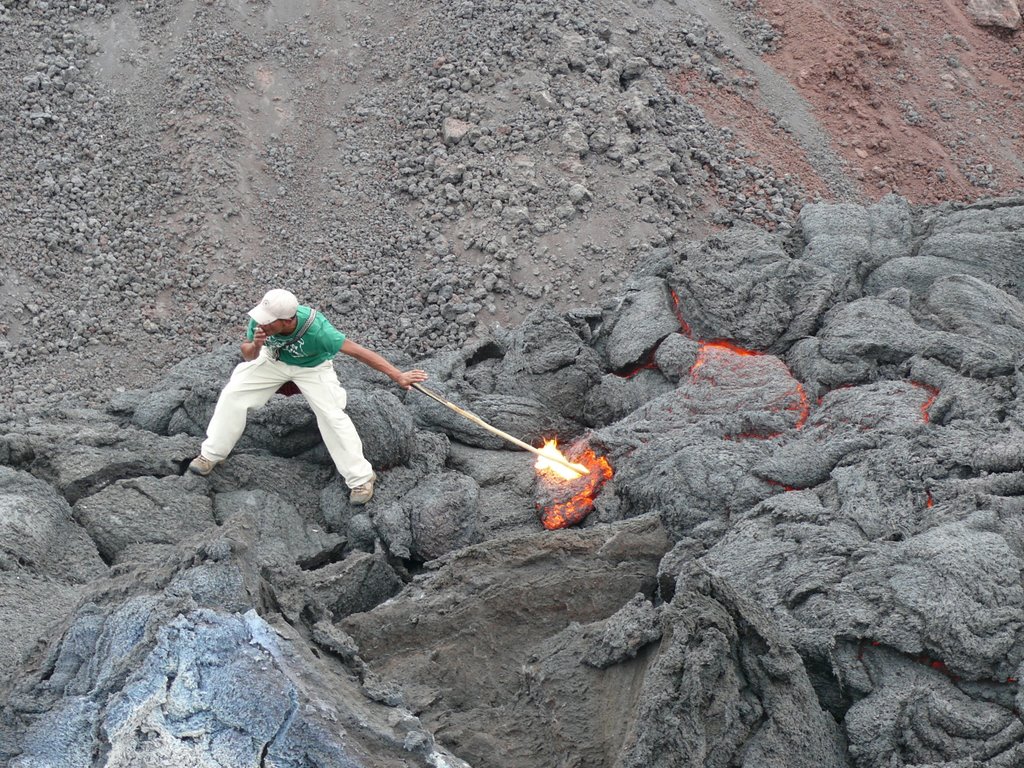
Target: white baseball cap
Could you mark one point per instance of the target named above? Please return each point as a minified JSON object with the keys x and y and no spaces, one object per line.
{"x":278,"y":304}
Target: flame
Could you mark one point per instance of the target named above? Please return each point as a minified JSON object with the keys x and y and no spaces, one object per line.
{"x":551,"y":459}
{"x":573,"y":494}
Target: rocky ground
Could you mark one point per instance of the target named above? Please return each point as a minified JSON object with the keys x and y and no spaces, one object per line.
{"x":428,"y":172}
{"x":663,"y":230}
{"x":806,"y":550}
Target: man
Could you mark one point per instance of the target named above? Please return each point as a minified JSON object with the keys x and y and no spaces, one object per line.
{"x":290,"y":342}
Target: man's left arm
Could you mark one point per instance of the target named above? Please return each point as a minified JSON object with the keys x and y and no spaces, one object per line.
{"x":404,"y":379}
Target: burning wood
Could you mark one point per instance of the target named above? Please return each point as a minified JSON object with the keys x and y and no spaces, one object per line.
{"x":564,"y":499}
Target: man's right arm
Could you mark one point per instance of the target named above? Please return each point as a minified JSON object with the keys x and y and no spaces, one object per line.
{"x":251,"y":349}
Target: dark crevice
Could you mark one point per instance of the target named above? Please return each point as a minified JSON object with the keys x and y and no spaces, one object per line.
{"x":106,"y":556}
{"x":101,"y":745}
{"x":833,"y":697}
{"x":334,"y":554}
{"x":285,"y":725}
{"x":797,"y":600}
{"x":93,"y":484}
{"x":644,"y":363}
{"x":407,"y":569}
{"x":268,"y":602}
{"x":488,"y":351}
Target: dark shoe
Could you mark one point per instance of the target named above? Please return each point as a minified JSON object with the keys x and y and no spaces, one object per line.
{"x":203,"y":466}
{"x":362,"y":493}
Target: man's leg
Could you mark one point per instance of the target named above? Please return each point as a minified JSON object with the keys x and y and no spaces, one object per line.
{"x":250,"y":386}
{"x":325,"y":396}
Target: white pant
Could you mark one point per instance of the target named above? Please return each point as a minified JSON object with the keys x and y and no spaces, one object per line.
{"x":254,"y":382}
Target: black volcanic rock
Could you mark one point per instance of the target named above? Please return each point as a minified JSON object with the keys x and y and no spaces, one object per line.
{"x":808,"y":553}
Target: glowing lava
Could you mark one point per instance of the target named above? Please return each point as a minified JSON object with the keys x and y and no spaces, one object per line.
{"x":717,"y":357}
{"x":709,"y":348}
{"x":932,"y":394}
{"x":569,"y":499}
{"x":678,"y":310}
{"x":648,"y":363}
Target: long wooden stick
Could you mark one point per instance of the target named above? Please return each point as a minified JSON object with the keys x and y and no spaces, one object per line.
{"x":494,"y":430}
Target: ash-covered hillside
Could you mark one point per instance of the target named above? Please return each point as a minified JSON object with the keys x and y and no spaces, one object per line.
{"x":425,"y":171}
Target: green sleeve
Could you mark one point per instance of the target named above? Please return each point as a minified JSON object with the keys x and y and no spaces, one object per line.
{"x":332,"y":338}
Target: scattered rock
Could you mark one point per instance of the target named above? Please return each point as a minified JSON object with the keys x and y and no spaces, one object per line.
{"x":994,"y":13}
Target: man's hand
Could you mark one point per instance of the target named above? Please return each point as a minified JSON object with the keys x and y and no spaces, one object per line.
{"x":407,"y":378}
{"x":251,"y":349}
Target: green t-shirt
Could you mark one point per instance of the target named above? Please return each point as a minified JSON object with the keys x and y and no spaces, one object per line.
{"x":320,"y":343}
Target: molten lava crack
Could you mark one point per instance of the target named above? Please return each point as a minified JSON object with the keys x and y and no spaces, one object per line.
{"x":716,"y":358}
{"x":563,"y":502}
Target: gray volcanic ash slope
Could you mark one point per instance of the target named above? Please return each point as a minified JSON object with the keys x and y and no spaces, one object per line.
{"x":808,"y":554}
{"x":418,"y":173}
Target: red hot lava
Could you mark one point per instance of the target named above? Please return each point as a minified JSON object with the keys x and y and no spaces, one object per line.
{"x":729,"y":358}
{"x":708,"y":348}
{"x":932,"y":394}
{"x":678,"y":310}
{"x":567,"y":501}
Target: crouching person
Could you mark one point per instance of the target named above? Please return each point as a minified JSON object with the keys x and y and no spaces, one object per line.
{"x":287,"y":341}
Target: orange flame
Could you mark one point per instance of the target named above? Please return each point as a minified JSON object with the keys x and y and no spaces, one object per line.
{"x":594,"y":472}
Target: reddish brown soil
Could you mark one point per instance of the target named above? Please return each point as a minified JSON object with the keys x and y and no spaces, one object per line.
{"x":753,"y":127}
{"x":918,"y":99}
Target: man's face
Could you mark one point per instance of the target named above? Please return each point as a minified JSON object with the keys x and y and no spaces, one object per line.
{"x":279,"y":327}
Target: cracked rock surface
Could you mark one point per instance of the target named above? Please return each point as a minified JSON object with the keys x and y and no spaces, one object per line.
{"x":808,"y":552}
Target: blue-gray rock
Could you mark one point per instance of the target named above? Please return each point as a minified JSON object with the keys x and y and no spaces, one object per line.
{"x":214,"y":688}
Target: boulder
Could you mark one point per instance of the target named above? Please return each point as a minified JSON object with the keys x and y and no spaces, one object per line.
{"x":852,"y":241}
{"x":743,"y":287}
{"x":437,"y":516}
{"x":144,"y":511}
{"x":644,"y":317}
{"x":760,"y":708}
{"x":994,"y":13}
